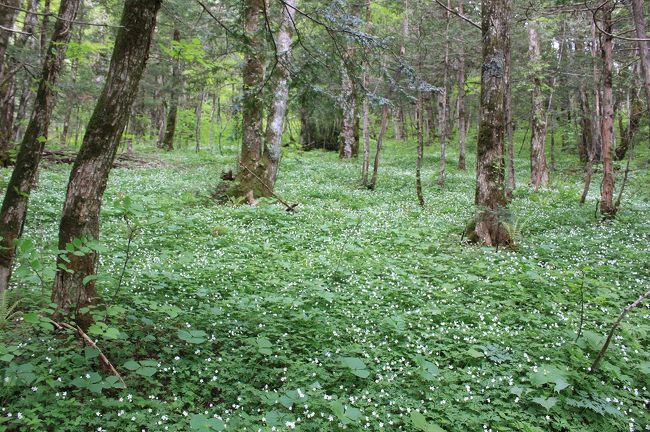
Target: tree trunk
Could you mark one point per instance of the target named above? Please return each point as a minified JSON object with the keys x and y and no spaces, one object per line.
{"x":510,"y":135}
{"x":596,"y":109}
{"x":644,"y":50}
{"x":538,"y":167}
{"x":585,"y":124}
{"x":278,"y":111}
{"x":461,"y":98}
{"x":14,"y":206}
{"x":419,"y":115}
{"x":170,"y":130}
{"x":607,"y":125}
{"x":443,"y":106}
{"x":81,"y":209}
{"x":26,"y":95}
{"x":366,"y":129}
{"x":8,"y":90}
{"x":7,"y":19}
{"x":487,"y":228}
{"x":247,"y":183}
{"x":348,"y":105}
{"x":199,"y":119}
{"x":634,"y":123}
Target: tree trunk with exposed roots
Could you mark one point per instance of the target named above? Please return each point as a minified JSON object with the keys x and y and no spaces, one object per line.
{"x":488,"y":227}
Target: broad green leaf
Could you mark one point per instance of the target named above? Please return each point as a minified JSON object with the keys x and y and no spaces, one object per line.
{"x":547,"y":403}
{"x":356,"y":365}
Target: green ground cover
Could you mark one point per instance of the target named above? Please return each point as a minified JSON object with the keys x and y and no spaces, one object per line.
{"x":360,"y":311}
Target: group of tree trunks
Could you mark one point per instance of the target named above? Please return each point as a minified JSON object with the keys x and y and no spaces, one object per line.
{"x":92,"y":165}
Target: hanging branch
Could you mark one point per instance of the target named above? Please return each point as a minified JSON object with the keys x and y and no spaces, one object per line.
{"x":601,"y":353}
{"x":463,"y":17}
{"x":593,"y":14}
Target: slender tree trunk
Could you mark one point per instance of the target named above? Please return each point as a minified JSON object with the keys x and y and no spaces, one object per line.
{"x":199,"y":119}
{"x":644,"y":50}
{"x":443,"y":107}
{"x":9,"y":88}
{"x":14,"y":206}
{"x":44,"y":25}
{"x":538,"y":167}
{"x":510,"y":135}
{"x":461,"y":98}
{"x":170,"y":130}
{"x":26,"y":95}
{"x":348,"y":105}
{"x":607,"y":125}
{"x":490,"y":199}
{"x":596,"y":134}
{"x":366,"y":129}
{"x":7,"y":19}
{"x":278,"y":112}
{"x":634,"y":123}
{"x":247,"y":184}
{"x":419,"y":114}
{"x":80,"y":216}
{"x":585,"y":125}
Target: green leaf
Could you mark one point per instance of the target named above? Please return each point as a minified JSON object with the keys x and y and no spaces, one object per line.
{"x":428,"y":370}
{"x":132,"y":365}
{"x":547,"y":403}
{"x":420,"y":423}
{"x":146,"y":371}
{"x":192,"y":336}
{"x":203,"y":423}
{"x":264,"y":345}
{"x":356,"y":365}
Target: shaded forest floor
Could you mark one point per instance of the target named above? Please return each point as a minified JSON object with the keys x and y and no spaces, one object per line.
{"x":360,"y":311}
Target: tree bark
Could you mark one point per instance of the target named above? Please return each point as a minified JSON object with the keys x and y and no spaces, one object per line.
{"x":8,"y":90}
{"x":538,"y":166}
{"x":14,"y":205}
{"x":89,"y":176}
{"x":278,"y":112}
{"x":418,"y":166}
{"x":461,"y":98}
{"x":26,"y":95}
{"x":348,"y":108}
{"x":487,"y":228}
{"x":443,"y":106}
{"x":607,"y":208}
{"x":170,"y":124}
{"x":199,"y":119}
{"x":7,"y":19}
{"x":644,"y":46}
{"x":634,"y":123}
{"x":249,"y":171}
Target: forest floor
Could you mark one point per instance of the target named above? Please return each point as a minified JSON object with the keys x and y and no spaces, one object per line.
{"x":359,"y":311}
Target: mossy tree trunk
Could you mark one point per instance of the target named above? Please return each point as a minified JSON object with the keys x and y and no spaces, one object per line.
{"x":80,"y":216}
{"x":643,"y":44}
{"x":250,"y":168}
{"x":538,"y":166}
{"x":14,"y":205}
{"x":170,"y":124}
{"x":278,"y":112}
{"x":488,"y":228}
{"x":461,"y":98}
{"x":607,"y":208}
{"x":634,"y":123}
{"x":10,"y":85}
